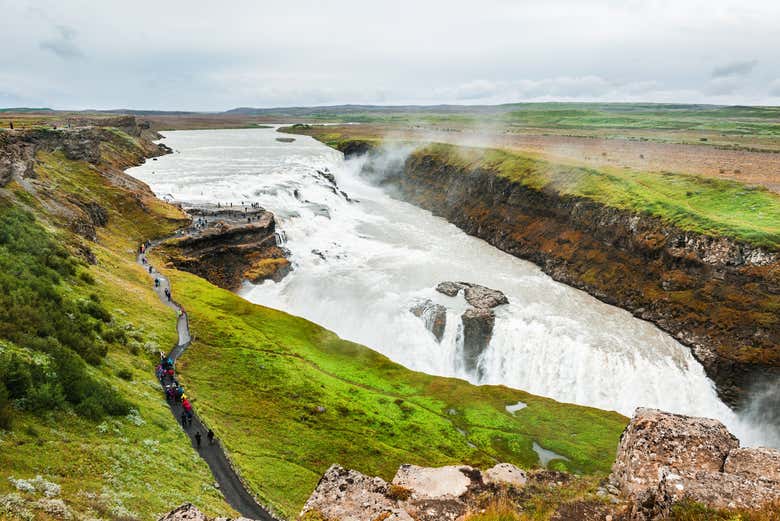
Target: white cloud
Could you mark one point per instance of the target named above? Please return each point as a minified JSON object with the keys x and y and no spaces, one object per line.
{"x":738,"y":68}
{"x":195,"y":54}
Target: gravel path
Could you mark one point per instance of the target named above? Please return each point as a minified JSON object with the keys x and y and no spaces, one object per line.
{"x":232,"y":488}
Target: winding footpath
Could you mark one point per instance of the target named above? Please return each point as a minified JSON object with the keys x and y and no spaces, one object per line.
{"x":233,"y":489}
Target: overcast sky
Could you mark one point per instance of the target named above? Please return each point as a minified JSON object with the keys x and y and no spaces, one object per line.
{"x":215,"y":55}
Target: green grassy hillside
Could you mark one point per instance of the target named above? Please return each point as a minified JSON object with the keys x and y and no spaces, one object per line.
{"x":289,"y":398}
{"x":79,"y":405}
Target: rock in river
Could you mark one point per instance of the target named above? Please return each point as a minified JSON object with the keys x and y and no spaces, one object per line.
{"x":478,"y":296}
{"x":477,"y":331}
{"x":484,"y":298}
{"x":434,"y":316}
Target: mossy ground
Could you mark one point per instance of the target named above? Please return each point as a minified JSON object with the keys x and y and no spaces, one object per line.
{"x":261,"y":378}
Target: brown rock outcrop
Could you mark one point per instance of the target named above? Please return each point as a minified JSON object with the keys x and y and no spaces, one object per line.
{"x":655,"y":442}
{"x":433,"y":315}
{"x":758,"y":463}
{"x":415,"y":493}
{"x":664,"y":458}
{"x":228,"y":253}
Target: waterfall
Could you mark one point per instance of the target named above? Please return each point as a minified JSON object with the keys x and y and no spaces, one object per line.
{"x":361,"y":263}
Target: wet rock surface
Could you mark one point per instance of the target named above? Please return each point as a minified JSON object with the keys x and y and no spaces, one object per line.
{"x":484,"y":298}
{"x":477,"y":321}
{"x":451,"y":289}
{"x":665,"y":458}
{"x":477,"y":332}
{"x":433,"y":315}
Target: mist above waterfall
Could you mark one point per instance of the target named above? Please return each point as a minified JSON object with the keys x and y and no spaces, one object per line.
{"x":360,"y":263}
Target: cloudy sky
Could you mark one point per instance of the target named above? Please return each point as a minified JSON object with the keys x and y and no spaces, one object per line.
{"x":215,"y":55}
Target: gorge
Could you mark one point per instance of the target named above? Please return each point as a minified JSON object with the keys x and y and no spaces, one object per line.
{"x":361,"y":259}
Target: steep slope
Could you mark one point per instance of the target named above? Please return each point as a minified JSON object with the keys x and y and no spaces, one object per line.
{"x":110,"y":450}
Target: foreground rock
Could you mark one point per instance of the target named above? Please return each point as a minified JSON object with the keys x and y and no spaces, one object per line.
{"x":665,"y":458}
{"x":433,"y":315}
{"x":415,"y":493}
{"x":189,"y":512}
{"x":234,"y":246}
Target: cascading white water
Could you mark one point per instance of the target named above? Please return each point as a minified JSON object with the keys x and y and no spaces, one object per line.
{"x":363,"y":259}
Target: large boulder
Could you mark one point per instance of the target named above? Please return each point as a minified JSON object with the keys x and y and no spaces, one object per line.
{"x":416,"y":493}
{"x":477,"y":332}
{"x":484,"y":298}
{"x":451,"y":289}
{"x":348,"y":495}
{"x":434,"y":483}
{"x":433,"y":315}
{"x":758,"y":463}
{"x":656,"y":442}
{"x":665,"y":458}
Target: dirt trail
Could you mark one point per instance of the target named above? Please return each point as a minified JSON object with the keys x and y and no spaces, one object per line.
{"x":230,"y":484}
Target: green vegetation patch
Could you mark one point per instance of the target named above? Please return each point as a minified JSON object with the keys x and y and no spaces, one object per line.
{"x":710,"y":206}
{"x":289,"y":398}
{"x":83,"y":419}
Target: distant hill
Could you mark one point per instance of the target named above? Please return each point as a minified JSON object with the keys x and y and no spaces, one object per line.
{"x":26,"y":109}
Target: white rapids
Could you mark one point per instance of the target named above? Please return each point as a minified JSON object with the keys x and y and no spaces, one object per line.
{"x":360,"y":265}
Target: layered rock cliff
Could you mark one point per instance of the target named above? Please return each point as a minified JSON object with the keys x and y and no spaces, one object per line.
{"x":715,"y":294}
{"x":227,"y":247}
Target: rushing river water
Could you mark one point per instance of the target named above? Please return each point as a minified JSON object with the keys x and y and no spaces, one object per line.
{"x":361,"y":263}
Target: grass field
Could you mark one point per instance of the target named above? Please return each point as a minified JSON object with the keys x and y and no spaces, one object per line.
{"x":709,"y":206}
{"x":289,"y":398}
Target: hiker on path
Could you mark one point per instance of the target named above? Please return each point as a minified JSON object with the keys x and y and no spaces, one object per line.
{"x":197,"y":439}
{"x":156,"y":281}
{"x":210,"y":436}
{"x":150,"y":270}
{"x":184,"y":419}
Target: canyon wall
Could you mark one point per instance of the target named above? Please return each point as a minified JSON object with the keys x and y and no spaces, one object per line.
{"x":718,"y":296}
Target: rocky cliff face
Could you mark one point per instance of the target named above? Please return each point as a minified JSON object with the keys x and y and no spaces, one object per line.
{"x":716,"y":295}
{"x":229,"y":250}
{"x":665,"y":458}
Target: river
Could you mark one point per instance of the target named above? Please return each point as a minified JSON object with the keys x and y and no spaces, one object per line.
{"x":360,"y":262}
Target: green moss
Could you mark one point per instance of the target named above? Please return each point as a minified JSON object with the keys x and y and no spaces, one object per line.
{"x":709,"y":206}
{"x":260,"y":379}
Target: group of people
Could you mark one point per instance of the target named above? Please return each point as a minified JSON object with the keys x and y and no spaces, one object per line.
{"x":166,"y":372}
{"x":174,"y":393}
{"x":200,"y":223}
